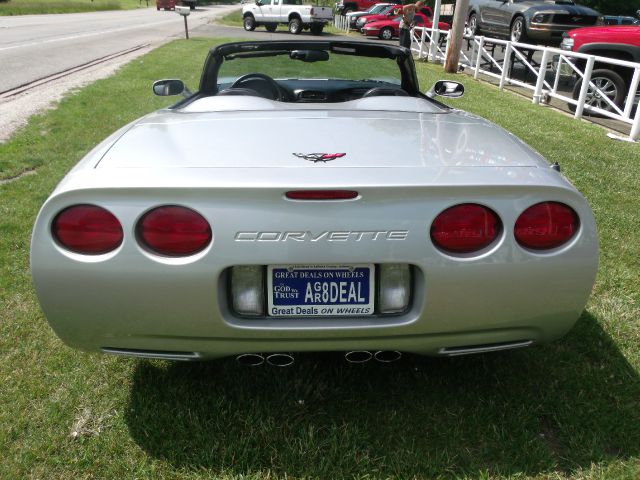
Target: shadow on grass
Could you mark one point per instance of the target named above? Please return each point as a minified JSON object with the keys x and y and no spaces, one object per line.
{"x":554,"y":408}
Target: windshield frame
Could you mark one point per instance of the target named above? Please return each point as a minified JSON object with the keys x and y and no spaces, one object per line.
{"x":402,"y":57}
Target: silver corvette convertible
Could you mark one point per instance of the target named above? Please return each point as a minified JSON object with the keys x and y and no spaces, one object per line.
{"x":308,"y":197}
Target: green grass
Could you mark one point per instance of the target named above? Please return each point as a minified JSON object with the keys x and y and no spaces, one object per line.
{"x":567,"y":410}
{"x":32,"y":7}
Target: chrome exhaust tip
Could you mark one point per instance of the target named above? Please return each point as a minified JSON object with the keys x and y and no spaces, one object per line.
{"x":250,"y":359}
{"x":387,"y":356}
{"x":280,"y":359}
{"x":358,"y":356}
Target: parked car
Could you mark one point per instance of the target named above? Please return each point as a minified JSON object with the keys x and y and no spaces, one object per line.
{"x":614,"y":82}
{"x":535,"y":21}
{"x":389,"y":14}
{"x":619,"y":20}
{"x":166,"y":4}
{"x":379,"y":8}
{"x":388,"y":29}
{"x":293,"y":13}
{"x":309,"y":197}
{"x":374,"y":9}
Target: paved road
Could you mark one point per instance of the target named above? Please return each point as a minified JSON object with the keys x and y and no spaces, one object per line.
{"x":35,"y":46}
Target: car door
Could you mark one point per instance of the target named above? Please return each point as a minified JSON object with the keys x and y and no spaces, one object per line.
{"x":286,"y":6}
{"x":495,"y":16}
{"x":265,"y":11}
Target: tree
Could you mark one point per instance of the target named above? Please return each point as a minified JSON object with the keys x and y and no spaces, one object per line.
{"x":613,"y":7}
{"x":606,"y":7}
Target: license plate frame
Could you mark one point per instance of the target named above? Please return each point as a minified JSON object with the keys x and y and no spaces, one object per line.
{"x":321,"y":290}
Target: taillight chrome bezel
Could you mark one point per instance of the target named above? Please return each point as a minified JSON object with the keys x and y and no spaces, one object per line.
{"x":68,"y":248}
{"x":565,"y":243}
{"x":151,"y":249}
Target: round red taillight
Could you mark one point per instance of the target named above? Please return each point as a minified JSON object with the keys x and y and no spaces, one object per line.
{"x":465,"y":228}
{"x":87,"y":229}
{"x":174,"y":231}
{"x":546,"y":225}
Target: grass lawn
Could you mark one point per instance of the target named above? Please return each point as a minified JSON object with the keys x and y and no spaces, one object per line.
{"x":570,"y":410}
{"x":31,"y":7}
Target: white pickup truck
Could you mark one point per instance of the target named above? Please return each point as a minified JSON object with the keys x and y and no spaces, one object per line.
{"x":297,"y":16}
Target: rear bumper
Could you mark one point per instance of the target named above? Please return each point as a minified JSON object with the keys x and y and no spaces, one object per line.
{"x":549,"y":33}
{"x":135,"y":300}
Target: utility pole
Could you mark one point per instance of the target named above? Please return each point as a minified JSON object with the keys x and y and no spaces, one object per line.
{"x":457,"y":32}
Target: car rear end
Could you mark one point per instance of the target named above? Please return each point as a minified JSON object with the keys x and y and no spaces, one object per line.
{"x":450,"y":249}
{"x":166,"y":4}
{"x":320,"y":15}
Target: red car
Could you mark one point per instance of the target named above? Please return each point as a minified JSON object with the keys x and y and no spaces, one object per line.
{"x":166,"y":4}
{"x":388,"y":13}
{"x":388,"y":29}
{"x":620,"y":42}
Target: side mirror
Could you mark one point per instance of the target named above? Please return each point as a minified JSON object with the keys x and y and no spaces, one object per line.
{"x":446,"y":88}
{"x":167,"y":88}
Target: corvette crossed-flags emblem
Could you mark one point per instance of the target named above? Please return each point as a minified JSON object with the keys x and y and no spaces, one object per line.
{"x":319,"y":157}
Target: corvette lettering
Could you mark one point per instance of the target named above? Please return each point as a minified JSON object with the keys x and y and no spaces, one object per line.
{"x":326,"y":236}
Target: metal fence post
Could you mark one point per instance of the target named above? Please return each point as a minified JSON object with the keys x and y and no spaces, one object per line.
{"x":448,"y":44}
{"x":435,"y":41}
{"x":542,"y":73}
{"x":479,"y":58}
{"x":422,"y":35}
{"x":635,"y":128}
{"x":506,"y":65}
{"x":635,"y":81}
{"x":585,"y":87}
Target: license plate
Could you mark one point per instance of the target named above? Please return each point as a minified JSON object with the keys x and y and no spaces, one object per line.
{"x":320,"y":290}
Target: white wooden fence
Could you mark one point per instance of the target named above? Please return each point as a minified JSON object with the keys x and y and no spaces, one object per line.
{"x":341,"y":22}
{"x":554,"y":65}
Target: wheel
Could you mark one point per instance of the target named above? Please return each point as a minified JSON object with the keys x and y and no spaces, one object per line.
{"x":316,"y":29}
{"x":271,"y":27}
{"x":386,"y":33}
{"x":295,"y":26}
{"x":473,"y":24}
{"x":249,"y":23}
{"x":518,"y":30}
{"x":609,"y":83}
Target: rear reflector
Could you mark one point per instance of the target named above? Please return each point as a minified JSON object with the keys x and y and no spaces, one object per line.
{"x":174,"y":231}
{"x":465,"y":228}
{"x":87,"y":229}
{"x":247,"y":290}
{"x":321,"y":194}
{"x":546,"y":225}
{"x":394,"y":289}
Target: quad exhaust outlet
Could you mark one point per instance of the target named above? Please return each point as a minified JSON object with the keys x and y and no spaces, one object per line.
{"x":258,"y":359}
{"x":382,"y":356}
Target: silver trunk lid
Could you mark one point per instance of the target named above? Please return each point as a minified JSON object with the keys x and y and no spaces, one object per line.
{"x":282,"y":138}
